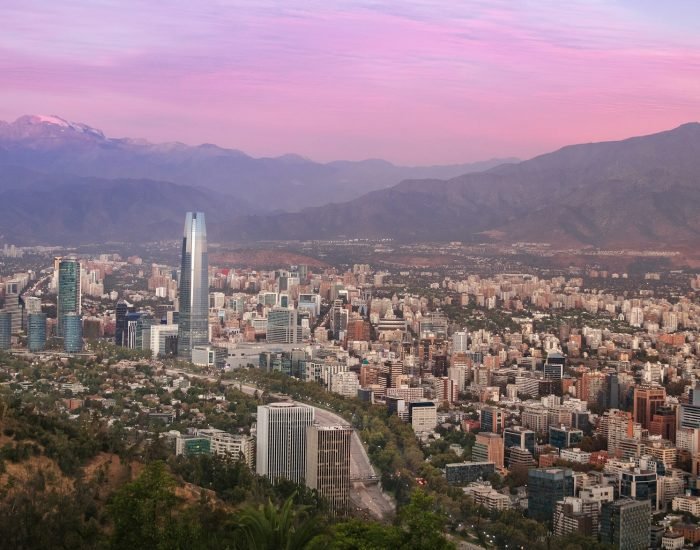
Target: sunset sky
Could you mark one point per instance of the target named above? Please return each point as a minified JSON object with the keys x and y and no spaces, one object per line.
{"x":414,"y":82}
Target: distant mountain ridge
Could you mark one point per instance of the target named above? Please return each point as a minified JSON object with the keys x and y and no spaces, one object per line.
{"x":53,"y":145}
{"x":66,"y":183}
{"x":642,"y":191}
{"x":41,"y":209}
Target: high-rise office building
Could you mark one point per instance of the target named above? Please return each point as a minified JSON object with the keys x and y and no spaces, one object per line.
{"x":546,"y":486}
{"x":664,"y":422}
{"x":613,"y":385}
{"x":339,"y":319}
{"x":5,"y":330}
{"x":647,"y":399}
{"x":493,"y":419}
{"x":282,"y":326}
{"x":281,"y":440}
{"x":328,"y":464}
{"x":562,"y":437}
{"x":625,"y":524}
{"x":131,"y":325}
{"x":36,"y":332}
{"x":32,"y":304}
{"x":488,"y":448}
{"x":554,"y":366}
{"x":689,"y":415}
{"x":68,"y":291}
{"x":193,"y":322}
{"x":12,"y":305}
{"x":460,"y":342}
{"x":121,"y":311}
{"x":518,"y":436}
{"x":161,"y":340}
{"x":640,"y":485}
{"x":72,"y":333}
{"x":576,"y":515}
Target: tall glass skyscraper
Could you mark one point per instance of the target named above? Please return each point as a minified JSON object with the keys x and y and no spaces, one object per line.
{"x":193,"y":322}
{"x":36,"y":331}
{"x":68,"y":290}
{"x":72,"y":333}
{"x":5,"y":330}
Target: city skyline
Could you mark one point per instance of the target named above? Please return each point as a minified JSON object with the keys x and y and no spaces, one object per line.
{"x":478,"y":328}
{"x":422,"y":83}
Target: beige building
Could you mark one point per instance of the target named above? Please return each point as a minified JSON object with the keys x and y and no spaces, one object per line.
{"x":328,"y":464}
{"x":422,"y":415}
{"x":690,"y":504}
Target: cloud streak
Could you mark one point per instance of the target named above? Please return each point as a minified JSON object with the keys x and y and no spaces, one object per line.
{"x":415,"y":82}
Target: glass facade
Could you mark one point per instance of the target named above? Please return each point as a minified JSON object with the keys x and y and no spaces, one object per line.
{"x":122,"y":309}
{"x":545,"y":486}
{"x":5,"y":330}
{"x":639,"y":486}
{"x":72,"y":333}
{"x":68,"y":291}
{"x":36,"y":332}
{"x":462,"y":473}
{"x":564,"y":437}
{"x":193,"y":321}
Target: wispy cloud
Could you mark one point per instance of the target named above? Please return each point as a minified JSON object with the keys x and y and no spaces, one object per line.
{"x":415,"y":81}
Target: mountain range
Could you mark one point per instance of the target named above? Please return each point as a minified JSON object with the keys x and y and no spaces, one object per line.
{"x":64,"y":182}
{"x":53,"y":145}
{"x":642,"y":191}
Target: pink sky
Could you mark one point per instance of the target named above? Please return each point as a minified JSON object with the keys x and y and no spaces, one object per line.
{"x":414,"y":82}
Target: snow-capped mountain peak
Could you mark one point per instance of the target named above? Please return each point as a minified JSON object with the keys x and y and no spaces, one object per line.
{"x":54,"y":123}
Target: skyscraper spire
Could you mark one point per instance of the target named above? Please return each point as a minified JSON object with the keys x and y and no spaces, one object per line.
{"x":193,"y":324}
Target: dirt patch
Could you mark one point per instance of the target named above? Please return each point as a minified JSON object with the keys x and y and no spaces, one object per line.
{"x":262,"y":258}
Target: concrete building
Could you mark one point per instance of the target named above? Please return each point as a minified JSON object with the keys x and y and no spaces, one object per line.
{"x":686,"y":503}
{"x":236,"y":446}
{"x":460,"y":473}
{"x":647,"y":400}
{"x":422,"y":415}
{"x":493,"y":419}
{"x":328,"y":464}
{"x":484,"y":495}
{"x":576,"y":515}
{"x":162,"y":340}
{"x":281,"y":440}
{"x":488,"y":448}
{"x":282,"y":326}
{"x":625,"y":523}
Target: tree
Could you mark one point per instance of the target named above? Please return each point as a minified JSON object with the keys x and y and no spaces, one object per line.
{"x":421,"y":527}
{"x":362,"y":535}
{"x":142,"y":510}
{"x":269,"y":528}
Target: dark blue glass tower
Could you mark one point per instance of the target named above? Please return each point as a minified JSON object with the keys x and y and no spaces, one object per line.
{"x":123,"y":307}
{"x":72,"y":333}
{"x":68,"y":291}
{"x":193,"y":322}
{"x":36,"y":332}
{"x":5,"y":330}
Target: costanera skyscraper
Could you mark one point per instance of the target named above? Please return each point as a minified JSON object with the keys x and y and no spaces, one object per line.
{"x":193,"y":324}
